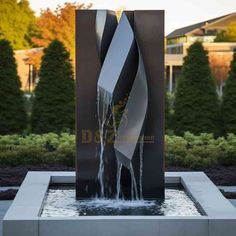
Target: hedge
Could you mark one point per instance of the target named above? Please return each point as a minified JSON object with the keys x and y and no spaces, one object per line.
{"x":35,"y":149}
{"x":190,"y":151}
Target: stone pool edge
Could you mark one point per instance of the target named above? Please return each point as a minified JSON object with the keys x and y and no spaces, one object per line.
{"x":23,"y":217}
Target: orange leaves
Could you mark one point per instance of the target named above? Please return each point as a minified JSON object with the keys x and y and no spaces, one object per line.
{"x":60,"y":25}
{"x":220,"y":65}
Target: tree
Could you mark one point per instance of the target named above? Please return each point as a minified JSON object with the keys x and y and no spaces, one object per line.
{"x":58,"y":25}
{"x":119,"y":12}
{"x":229,"y":35}
{"x":228,"y":108}
{"x":34,"y":58}
{"x":53,"y":106}
{"x":13,"y":118}
{"x":220,"y":66}
{"x":17,"y":23}
{"x":196,"y":103}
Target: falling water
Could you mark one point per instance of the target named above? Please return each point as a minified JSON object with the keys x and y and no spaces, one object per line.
{"x":119,"y":168}
{"x":141,"y":166}
{"x":134,"y":190}
{"x":113,"y":113}
{"x":103,"y":103}
{"x":119,"y":165}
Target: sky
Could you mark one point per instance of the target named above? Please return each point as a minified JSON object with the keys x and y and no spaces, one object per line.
{"x":178,"y":13}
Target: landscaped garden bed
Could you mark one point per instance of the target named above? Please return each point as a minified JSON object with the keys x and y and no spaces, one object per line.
{"x":13,"y":176}
{"x":229,"y":195}
{"x":8,"y":194}
{"x":56,"y":152}
{"x":190,"y":151}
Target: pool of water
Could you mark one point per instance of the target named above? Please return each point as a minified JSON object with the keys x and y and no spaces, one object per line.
{"x":61,"y":202}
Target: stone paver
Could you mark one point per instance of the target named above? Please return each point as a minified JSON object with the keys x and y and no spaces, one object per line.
{"x":4,"y":205}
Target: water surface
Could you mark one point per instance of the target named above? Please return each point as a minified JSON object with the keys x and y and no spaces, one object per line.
{"x":62,"y":203}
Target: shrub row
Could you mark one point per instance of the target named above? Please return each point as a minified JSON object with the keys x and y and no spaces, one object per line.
{"x":190,"y":151}
{"x":35,"y":149}
{"x":201,"y":151}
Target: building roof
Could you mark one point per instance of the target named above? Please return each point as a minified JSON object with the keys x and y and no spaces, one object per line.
{"x":185,"y":30}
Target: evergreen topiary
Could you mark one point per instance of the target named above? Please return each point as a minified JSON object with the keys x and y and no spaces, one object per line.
{"x":13,"y":118}
{"x":228,"y":108}
{"x":54,"y":102}
{"x":196,"y":103}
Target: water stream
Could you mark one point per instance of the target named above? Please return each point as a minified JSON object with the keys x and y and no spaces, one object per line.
{"x":118,"y":185}
{"x":103,"y":103}
{"x":134,"y":190}
{"x":141,"y":167}
{"x":106,"y":110}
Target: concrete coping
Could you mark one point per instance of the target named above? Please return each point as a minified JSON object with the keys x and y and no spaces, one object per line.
{"x":24,"y":218}
{"x":30,"y":197}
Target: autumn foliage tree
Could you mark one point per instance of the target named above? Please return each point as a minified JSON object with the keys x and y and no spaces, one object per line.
{"x":220,"y":66}
{"x":17,"y":23}
{"x":59,"y":25}
{"x":119,"y":12}
{"x":228,"y":35}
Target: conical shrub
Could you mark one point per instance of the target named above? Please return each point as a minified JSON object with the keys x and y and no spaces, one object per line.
{"x":196,"y":102}
{"x":228,"y":108}
{"x":13,"y":117}
{"x":54,"y":102}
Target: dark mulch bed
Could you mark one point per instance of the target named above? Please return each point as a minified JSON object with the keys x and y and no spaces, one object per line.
{"x":224,"y":176}
{"x":229,"y":195}
{"x":13,"y":176}
{"x":221,"y":176}
{"x":8,"y":194}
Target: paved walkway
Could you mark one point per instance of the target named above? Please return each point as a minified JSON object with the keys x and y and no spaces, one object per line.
{"x":4,"y":205}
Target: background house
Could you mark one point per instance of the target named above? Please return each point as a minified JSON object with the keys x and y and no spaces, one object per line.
{"x":220,"y":53}
{"x":28,"y":62}
{"x":177,"y":43}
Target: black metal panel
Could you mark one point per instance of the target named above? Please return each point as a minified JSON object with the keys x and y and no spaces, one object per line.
{"x":88,"y":65}
{"x":134,"y":66}
{"x":144,"y":112}
{"x":149,"y":33}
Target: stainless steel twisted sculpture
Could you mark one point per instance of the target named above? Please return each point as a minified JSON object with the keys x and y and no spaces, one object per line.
{"x":129,"y":68}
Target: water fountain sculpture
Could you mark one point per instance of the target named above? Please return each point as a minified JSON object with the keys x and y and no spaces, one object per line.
{"x":120,"y":104}
{"x":120,"y":146}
